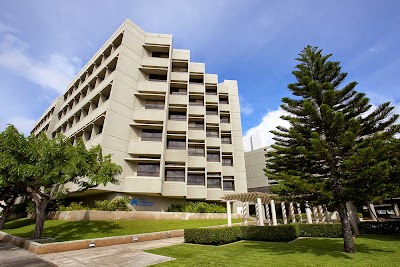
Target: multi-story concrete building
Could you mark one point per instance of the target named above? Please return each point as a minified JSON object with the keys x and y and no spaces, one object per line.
{"x":173,"y":128}
{"x":255,"y":161}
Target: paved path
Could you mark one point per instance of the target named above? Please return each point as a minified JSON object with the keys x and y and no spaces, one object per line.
{"x":11,"y":255}
{"x":119,"y":255}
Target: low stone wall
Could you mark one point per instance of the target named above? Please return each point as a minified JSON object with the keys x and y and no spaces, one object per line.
{"x":95,"y":215}
{"x":38,"y":248}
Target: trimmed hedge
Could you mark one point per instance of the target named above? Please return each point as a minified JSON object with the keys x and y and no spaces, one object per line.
{"x":280,"y":233}
{"x":321,"y":230}
{"x":213,"y":236}
{"x":380,"y":228}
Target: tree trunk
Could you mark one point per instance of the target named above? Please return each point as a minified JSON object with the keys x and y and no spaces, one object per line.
{"x":346,"y":229}
{"x":40,"y":217}
{"x":4,"y":216}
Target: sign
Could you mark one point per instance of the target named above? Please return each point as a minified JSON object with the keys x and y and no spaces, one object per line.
{"x":141,"y":202}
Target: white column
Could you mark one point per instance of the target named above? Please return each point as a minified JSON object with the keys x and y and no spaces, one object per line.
{"x":315,"y":213}
{"x":244,"y":205}
{"x":321,"y":211}
{"x":396,"y":209}
{"x":228,"y":211}
{"x":308,"y":213}
{"x":372,"y":212}
{"x":284,"y":215}
{"x":291,"y":212}
{"x":328,"y":218}
{"x":267,"y":214}
{"x":273,"y":213}
{"x":299,"y":212}
{"x":260,"y":217}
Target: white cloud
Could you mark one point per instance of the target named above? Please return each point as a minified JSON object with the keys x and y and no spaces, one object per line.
{"x":23,"y":124}
{"x":260,"y":135}
{"x":53,"y":72}
{"x":246,"y":108}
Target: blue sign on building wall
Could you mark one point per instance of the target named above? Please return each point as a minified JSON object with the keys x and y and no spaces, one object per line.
{"x":141,"y":202}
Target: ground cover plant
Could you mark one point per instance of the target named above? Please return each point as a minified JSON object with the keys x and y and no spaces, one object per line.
{"x":76,"y":230}
{"x":372,"y":250}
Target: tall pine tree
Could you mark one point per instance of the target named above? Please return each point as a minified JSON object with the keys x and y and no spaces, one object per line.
{"x":332,"y":151}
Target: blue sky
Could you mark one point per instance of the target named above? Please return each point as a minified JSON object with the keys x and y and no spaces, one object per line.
{"x":44,"y":43}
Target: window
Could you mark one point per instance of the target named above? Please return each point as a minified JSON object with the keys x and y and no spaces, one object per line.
{"x":176,"y":144}
{"x":212,"y":132}
{"x":146,"y":169}
{"x":213,"y":157}
{"x":227,"y":161}
{"x":195,"y":102}
{"x":160,"y":54}
{"x":225,"y":119}
{"x":226,"y":139}
{"x":178,"y":91}
{"x":179,"y":69}
{"x":198,"y":125}
{"x":196,"y":79}
{"x":196,"y":151}
{"x":195,"y":179}
{"x":157,"y":77}
{"x":151,"y":135}
{"x":211,"y":91}
{"x":175,"y":175}
{"x":177,"y":116}
{"x":229,"y":185}
{"x":214,"y":182}
{"x":212,"y":111}
{"x":223,"y":100}
{"x":154,"y":104}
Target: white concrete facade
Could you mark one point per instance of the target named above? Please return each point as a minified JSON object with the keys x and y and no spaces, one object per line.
{"x":173,"y":128}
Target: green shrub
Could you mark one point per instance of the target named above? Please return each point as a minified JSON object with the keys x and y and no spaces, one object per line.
{"x":380,"y":228}
{"x":321,"y":230}
{"x":224,"y":235}
{"x":279,"y":233}
{"x":213,"y":236}
{"x":197,"y":207}
{"x":117,"y":204}
{"x":72,"y":206}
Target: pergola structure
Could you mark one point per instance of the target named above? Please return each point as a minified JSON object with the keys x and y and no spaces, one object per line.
{"x":265,"y":209}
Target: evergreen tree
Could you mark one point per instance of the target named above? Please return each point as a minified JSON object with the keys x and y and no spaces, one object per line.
{"x":337,"y":149}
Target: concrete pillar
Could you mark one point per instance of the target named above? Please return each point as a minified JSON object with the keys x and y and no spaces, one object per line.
{"x":228,"y":211}
{"x":372,"y":212}
{"x":396,"y":209}
{"x":284,"y":214}
{"x":315,"y":213}
{"x":352,"y":212}
{"x":273,"y":213}
{"x":291,"y":212}
{"x":244,"y":205}
{"x":299,"y":212}
{"x":328,"y":218}
{"x":308,"y":213}
{"x":267,"y":215}
{"x":322,"y":214}
{"x":260,"y":217}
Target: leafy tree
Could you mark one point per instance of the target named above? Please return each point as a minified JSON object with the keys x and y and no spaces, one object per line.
{"x":337,"y":148}
{"x":45,"y":166}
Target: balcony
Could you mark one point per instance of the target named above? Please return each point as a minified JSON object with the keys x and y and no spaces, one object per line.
{"x":197,"y":67}
{"x":212,"y":119}
{"x":155,"y":62}
{"x":145,"y":147}
{"x":212,"y":99}
{"x":196,"y":134}
{"x":210,"y":78}
{"x":181,"y":54}
{"x":143,"y":184}
{"x":225,"y":126}
{"x":199,"y":192}
{"x":196,"y":162}
{"x":177,"y":126}
{"x":174,"y":189}
{"x":178,"y":99}
{"x":197,"y":110}
{"x":214,"y":167}
{"x":196,"y":88}
{"x":215,"y":142}
{"x":152,"y":86}
{"x":179,"y":76}
{"x":175,"y":155}
{"x":214,"y":194}
{"x":149,"y":115}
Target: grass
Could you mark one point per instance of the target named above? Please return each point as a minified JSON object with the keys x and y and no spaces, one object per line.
{"x":76,"y":230}
{"x":372,"y":250}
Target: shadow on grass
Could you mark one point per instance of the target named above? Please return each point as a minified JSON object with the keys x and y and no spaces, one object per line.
{"x":380,"y":237}
{"x":332,"y":247}
{"x":18,"y":223}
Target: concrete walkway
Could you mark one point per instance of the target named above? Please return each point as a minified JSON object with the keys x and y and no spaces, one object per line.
{"x":12,"y":256}
{"x":119,"y":255}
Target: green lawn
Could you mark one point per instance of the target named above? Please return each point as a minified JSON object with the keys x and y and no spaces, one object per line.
{"x":372,"y":250}
{"x":75,"y":230}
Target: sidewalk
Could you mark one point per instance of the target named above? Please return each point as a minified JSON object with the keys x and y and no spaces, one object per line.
{"x":119,"y":255}
{"x":13,"y":256}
